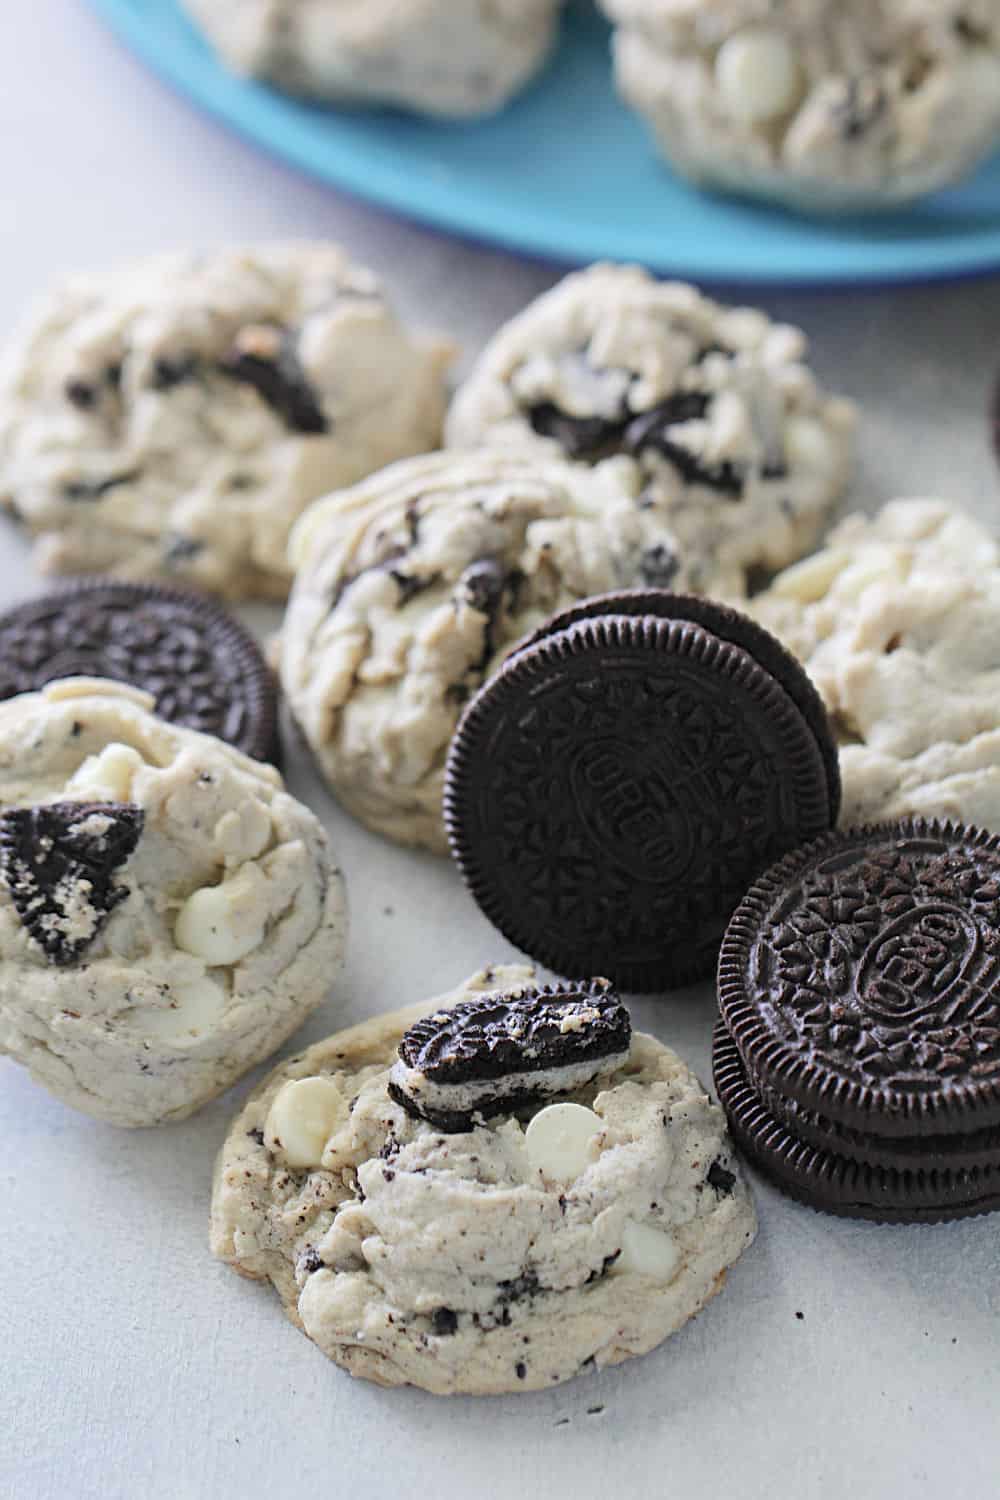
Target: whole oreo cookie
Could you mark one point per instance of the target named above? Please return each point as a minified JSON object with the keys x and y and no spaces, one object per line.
{"x":860,"y":979}
{"x":729,"y":625}
{"x":839,"y":1184}
{"x":503,"y":1052}
{"x":204,"y":670}
{"x":612,"y":792}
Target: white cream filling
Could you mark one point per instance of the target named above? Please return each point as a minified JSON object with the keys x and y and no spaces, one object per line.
{"x":470,"y":1096}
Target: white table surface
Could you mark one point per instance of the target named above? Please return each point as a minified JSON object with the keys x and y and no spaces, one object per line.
{"x":842,"y":1360}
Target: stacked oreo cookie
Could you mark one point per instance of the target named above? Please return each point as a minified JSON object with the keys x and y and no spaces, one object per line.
{"x":615,"y":788}
{"x":858,"y":1051}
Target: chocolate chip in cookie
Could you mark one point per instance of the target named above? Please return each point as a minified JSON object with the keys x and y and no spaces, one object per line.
{"x":503,"y":1052}
{"x":59,"y":862}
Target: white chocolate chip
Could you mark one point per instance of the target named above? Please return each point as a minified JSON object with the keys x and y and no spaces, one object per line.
{"x":647,"y":1252}
{"x":108,"y":776}
{"x":243,"y":833}
{"x":223,"y":923}
{"x":809,"y":580}
{"x":304,"y":1115}
{"x":191,"y":1007}
{"x":758,"y":75}
{"x":559,"y":1141}
{"x":808,"y":445}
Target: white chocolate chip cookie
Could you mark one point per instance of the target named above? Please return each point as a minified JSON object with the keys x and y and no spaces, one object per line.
{"x":168,"y":913}
{"x":734,"y":443}
{"x":173,"y":419}
{"x":506,"y":1257}
{"x":438,"y":57}
{"x":411,"y":588}
{"x":857,"y":105}
{"x":897,"y":621}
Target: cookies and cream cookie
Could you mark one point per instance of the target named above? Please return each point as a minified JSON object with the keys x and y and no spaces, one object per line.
{"x":859,"y":105}
{"x":733,"y":441}
{"x":438,"y":57}
{"x":513,"y":1250}
{"x":411,"y":588}
{"x":897,"y":620}
{"x":171,"y":420}
{"x":168,"y":913}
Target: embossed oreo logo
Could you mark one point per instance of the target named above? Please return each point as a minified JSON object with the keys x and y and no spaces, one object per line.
{"x":914,"y":961}
{"x":630,"y":800}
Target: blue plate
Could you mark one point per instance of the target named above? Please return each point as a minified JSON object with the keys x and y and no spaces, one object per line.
{"x":567,"y":173}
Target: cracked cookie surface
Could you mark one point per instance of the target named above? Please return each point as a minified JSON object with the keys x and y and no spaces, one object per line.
{"x":830,"y":108}
{"x":733,"y":443}
{"x":168,"y":913}
{"x":438,"y":57}
{"x":411,"y":588}
{"x":896,"y":621}
{"x":171,"y":420}
{"x":455,"y":1262}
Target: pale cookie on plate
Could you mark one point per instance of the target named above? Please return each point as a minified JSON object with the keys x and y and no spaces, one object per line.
{"x":172,"y":419}
{"x":897,"y":621}
{"x":855,"y":105}
{"x":410,"y":590}
{"x":733,"y":441}
{"x":168,"y":913}
{"x":438,"y":57}
{"x":511,"y":1253}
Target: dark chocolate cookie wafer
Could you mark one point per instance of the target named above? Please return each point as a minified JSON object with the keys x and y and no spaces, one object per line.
{"x":729,"y":625}
{"x":836,"y":1184}
{"x":204,"y":670}
{"x":946,"y":1153}
{"x":613,"y":791}
{"x":503,"y":1052}
{"x":860,"y":979}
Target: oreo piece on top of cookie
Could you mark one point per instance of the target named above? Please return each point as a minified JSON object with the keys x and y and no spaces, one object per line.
{"x":614,"y":789}
{"x":859,"y":987}
{"x":503,"y":1052}
{"x":59,"y":862}
{"x":203,"y":668}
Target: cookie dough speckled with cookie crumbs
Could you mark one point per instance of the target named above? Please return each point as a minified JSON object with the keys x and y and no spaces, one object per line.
{"x":507,"y":1257}
{"x":168,"y":913}
{"x":858,"y":105}
{"x":171,"y":420}
{"x":734,"y":445}
{"x":411,"y":588}
{"x":453,"y":58}
{"x":897,"y":621}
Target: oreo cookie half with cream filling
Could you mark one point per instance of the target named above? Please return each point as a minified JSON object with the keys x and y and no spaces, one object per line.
{"x":507,"y":1051}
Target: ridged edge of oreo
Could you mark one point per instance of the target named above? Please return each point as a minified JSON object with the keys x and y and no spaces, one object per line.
{"x":830,"y":1183}
{"x":730,"y":625}
{"x":508,"y":685}
{"x":951,"y":1152}
{"x":878,"y":1111}
{"x":267,"y":741}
